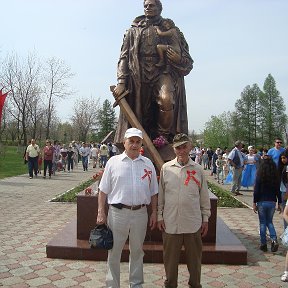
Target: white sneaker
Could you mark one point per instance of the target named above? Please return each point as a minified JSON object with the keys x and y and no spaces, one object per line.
{"x":284,"y":277}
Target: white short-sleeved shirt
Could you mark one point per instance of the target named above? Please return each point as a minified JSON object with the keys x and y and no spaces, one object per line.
{"x":33,"y":150}
{"x":127,"y":181}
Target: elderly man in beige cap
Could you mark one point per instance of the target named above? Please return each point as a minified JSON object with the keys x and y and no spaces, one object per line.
{"x":183,"y":212}
{"x":129,"y":183}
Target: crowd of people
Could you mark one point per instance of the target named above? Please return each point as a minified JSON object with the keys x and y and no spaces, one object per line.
{"x":55,"y":157}
{"x":265,"y":171}
{"x":220,"y":162}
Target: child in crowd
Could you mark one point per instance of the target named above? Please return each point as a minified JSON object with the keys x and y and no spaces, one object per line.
{"x":214,"y":158}
{"x":225,"y":158}
{"x":220,"y":164}
{"x":266,"y":194}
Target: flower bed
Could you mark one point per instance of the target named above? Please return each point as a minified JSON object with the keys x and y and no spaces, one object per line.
{"x":87,"y":186}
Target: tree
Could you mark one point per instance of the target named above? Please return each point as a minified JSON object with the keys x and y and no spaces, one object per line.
{"x":247,"y":115}
{"x":84,"y":119}
{"x":217,"y":131}
{"x":107,"y":120}
{"x":65,"y":132}
{"x":56,"y":76}
{"x":22,"y":78}
{"x":272,"y":113}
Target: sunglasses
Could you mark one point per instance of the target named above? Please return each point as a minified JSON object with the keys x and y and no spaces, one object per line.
{"x":278,"y":142}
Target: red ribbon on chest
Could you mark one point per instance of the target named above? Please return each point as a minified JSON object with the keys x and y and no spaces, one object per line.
{"x":148,"y":174}
{"x":190,"y":175}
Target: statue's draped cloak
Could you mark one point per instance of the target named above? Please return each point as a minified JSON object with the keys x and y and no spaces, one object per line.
{"x":129,"y":69}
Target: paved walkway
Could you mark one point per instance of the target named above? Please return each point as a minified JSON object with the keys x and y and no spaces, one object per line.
{"x":28,"y":221}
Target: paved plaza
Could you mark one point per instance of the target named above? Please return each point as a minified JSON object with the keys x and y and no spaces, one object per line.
{"x":28,"y":221}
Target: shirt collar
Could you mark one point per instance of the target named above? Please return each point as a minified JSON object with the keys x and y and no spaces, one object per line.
{"x":174,"y":162}
{"x":125,"y":156}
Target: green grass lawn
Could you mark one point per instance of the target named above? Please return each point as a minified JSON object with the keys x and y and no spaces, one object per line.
{"x":11,"y":162}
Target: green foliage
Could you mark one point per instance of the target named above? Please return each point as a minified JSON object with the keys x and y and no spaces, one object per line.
{"x":106,"y":120}
{"x":11,"y":162}
{"x":217,"y":131}
{"x":247,"y":115}
{"x":224,"y":197}
{"x":273,"y":117}
{"x":258,"y":118}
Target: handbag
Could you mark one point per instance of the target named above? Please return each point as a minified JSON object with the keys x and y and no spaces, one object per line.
{"x":284,"y":237}
{"x":101,"y":237}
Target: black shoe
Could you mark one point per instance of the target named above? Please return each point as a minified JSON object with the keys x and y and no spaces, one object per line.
{"x":237,"y":193}
{"x":263,"y":247}
{"x":274,"y":246}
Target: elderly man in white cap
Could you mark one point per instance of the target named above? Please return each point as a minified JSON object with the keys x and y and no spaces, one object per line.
{"x":129,"y":183}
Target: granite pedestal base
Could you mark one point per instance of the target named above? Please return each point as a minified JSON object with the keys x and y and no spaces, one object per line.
{"x":220,"y":246}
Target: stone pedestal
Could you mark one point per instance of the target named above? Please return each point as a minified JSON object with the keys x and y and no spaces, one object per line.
{"x":220,"y":246}
{"x":87,"y":207}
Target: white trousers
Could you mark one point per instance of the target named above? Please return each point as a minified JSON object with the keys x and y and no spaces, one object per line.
{"x":124,"y":223}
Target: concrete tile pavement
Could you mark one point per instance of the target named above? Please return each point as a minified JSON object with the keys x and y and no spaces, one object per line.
{"x":28,"y":221}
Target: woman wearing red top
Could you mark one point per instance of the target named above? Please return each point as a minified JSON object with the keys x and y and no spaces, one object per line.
{"x":48,"y":157}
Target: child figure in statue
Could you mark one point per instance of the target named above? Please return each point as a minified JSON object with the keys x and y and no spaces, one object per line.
{"x":171,"y":33}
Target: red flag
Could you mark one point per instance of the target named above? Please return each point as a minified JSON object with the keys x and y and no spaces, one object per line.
{"x":2,"y":100}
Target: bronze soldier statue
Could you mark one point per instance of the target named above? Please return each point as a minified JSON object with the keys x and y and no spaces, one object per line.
{"x":156,"y":94}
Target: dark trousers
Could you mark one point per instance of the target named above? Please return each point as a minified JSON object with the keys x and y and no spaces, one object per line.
{"x":33,"y":165}
{"x":70,"y":164}
{"x":172,"y":244}
{"x":48,"y":164}
{"x":103,"y":160}
{"x":85,"y":162}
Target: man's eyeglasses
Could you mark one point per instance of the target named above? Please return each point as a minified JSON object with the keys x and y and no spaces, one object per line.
{"x":278,"y":142}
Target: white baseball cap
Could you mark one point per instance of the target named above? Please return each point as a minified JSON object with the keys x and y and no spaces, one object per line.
{"x":133,"y":132}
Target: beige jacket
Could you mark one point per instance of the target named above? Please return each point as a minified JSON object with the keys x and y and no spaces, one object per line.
{"x":183,"y":199}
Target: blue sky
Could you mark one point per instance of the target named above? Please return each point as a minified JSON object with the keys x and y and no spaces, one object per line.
{"x":234,"y":43}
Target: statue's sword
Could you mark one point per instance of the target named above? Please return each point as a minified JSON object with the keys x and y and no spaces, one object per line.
{"x":132,"y":119}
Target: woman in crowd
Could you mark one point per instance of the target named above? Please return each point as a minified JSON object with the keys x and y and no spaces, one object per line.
{"x":48,"y":152}
{"x":249,"y":173}
{"x":266,"y":195}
